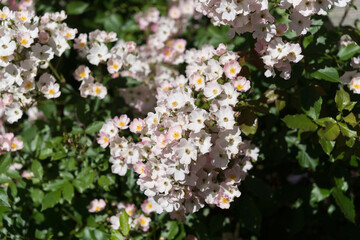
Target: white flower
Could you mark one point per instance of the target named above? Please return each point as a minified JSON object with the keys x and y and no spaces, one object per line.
{"x":98,"y":53}
{"x":42,"y":52}
{"x":185,"y":151}
{"x":212,"y":90}
{"x":7,"y":46}
{"x":225,"y":117}
{"x":197,"y":119}
{"x":51,"y":90}
{"x":13,"y":113}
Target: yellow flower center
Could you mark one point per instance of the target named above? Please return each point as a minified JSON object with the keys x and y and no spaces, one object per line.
{"x":106,"y":139}
{"x":23,"y":18}
{"x":121,"y":124}
{"x":215,"y":91}
{"x":115,"y":66}
{"x":28,"y":85}
{"x":97,"y":90}
{"x":356,"y":86}
{"x":199,"y":81}
{"x":51,"y":91}
{"x":142,"y":221}
{"x":68,"y":35}
{"x":3,"y":15}
{"x":239,"y":86}
{"x":82,"y":44}
{"x":97,"y":208}
{"x":176,"y":135}
{"x":138,"y":127}
{"x":174,"y":104}
{"x":232,"y":177}
{"x":23,"y":42}
{"x":224,"y":200}
{"x":82,"y":75}
{"x":14,"y":145}
{"x":3,"y":58}
{"x":150,"y":205}
{"x":232,"y":70}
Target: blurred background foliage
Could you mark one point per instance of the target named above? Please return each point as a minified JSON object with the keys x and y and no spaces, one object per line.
{"x":304,"y":186}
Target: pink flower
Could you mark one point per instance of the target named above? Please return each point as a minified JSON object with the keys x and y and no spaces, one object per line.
{"x":96,"y":205}
{"x":27,"y":175}
{"x":148,"y":206}
{"x":174,"y":12}
{"x":144,"y":222}
{"x":241,"y":84}
{"x":103,"y":140}
{"x":137,"y":125}
{"x":174,"y":133}
{"x":139,"y":168}
{"x":232,"y":69}
{"x":122,"y":122}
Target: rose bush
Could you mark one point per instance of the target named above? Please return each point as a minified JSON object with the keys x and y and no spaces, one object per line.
{"x":189,"y":119}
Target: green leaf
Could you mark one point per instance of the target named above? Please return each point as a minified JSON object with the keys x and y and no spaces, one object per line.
{"x":37,"y":169}
{"x":37,"y":195}
{"x":327,"y":146}
{"x":4,"y":198}
{"x":346,"y":204}
{"x":328,"y":74}
{"x":300,"y":121}
{"x":116,"y":235}
{"x":76,"y":7}
{"x":351,"y":119}
{"x":104,"y":182}
{"x":319,"y":194}
{"x":45,"y":153}
{"x":311,"y":102}
{"x":68,"y":192}
{"x":342,"y":184}
{"x":5,"y":162}
{"x":84,"y":179}
{"x":342,"y":99}
{"x":348,"y":52}
{"x":322,"y":121}
{"x":305,"y":160}
{"x":50,"y":200}
{"x":330,"y":132}
{"x":173,"y":229}
{"x":346,"y":131}
{"x":94,"y":127}
{"x":113,"y":23}
{"x":48,"y":108}
{"x":124,"y":223}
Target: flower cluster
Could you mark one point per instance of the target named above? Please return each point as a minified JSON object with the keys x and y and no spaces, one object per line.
{"x":19,"y":5}
{"x":254,"y":16}
{"x":122,"y":56}
{"x":28,"y":44}
{"x":162,"y":48}
{"x":190,"y":150}
{"x":138,"y":219}
{"x":279,"y":55}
